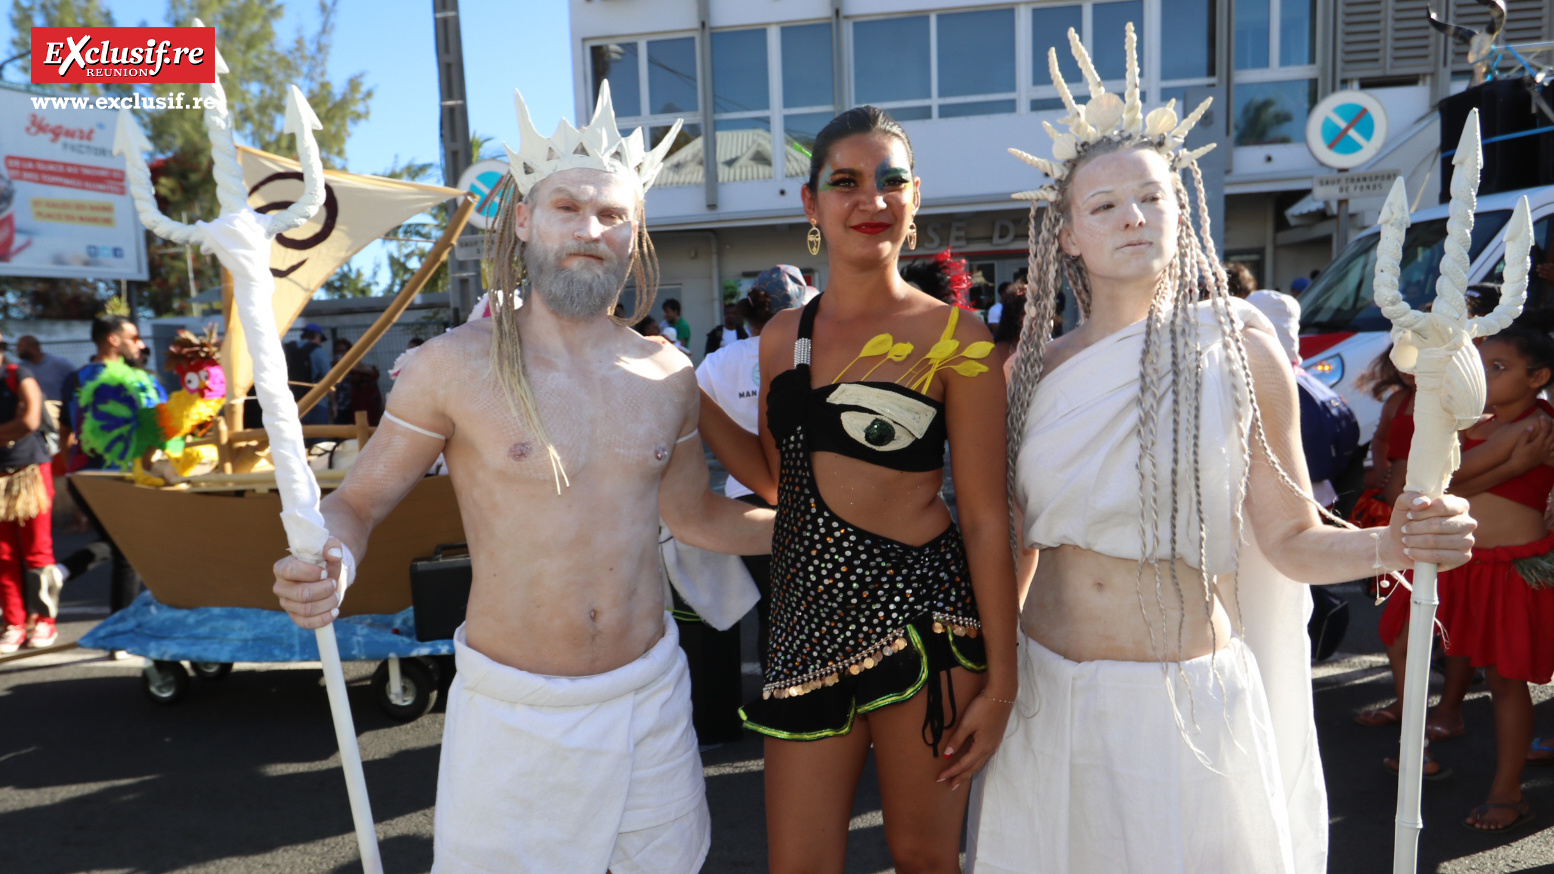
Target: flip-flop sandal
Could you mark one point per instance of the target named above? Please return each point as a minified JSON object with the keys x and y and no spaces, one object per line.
{"x":1541,"y":745}
{"x":1442,"y":773}
{"x":1376,"y":718}
{"x":1435,"y":732}
{"x":1523,"y":810}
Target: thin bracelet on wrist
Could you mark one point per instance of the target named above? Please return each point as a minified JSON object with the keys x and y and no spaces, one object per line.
{"x":991,"y":698}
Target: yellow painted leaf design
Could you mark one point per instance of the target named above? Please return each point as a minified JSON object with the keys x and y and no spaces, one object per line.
{"x":900,"y":351}
{"x":969,"y":368}
{"x":942,"y":350}
{"x":979,"y":349}
{"x":877,"y":346}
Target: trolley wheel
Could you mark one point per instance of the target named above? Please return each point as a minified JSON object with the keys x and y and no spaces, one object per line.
{"x":211,"y":670}
{"x":165,"y":682}
{"x":417,"y":693}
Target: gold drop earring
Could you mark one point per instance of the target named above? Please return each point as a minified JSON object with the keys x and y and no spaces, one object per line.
{"x":911,"y":238}
{"x":814,"y":238}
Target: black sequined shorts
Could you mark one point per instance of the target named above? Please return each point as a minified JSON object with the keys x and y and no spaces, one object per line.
{"x":829,"y":711}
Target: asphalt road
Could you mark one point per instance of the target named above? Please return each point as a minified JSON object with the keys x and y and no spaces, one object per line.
{"x":242,"y":776}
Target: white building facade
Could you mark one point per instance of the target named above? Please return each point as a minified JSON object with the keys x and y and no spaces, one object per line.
{"x":968,"y":80}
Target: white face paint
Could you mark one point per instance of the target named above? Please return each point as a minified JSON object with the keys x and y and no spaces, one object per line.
{"x":1123,"y":217}
{"x":579,"y":226}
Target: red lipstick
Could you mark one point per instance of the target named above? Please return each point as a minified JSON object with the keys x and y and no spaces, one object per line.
{"x":871,"y":228}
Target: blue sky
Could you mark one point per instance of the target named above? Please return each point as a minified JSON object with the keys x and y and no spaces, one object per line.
{"x":523,"y":44}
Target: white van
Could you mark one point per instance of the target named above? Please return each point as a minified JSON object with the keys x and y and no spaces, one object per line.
{"x":1341,"y":329}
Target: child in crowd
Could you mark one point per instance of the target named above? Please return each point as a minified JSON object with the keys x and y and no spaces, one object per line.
{"x":1498,"y":610}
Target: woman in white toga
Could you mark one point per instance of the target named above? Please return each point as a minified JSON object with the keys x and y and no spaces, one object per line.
{"x":1164,"y":717}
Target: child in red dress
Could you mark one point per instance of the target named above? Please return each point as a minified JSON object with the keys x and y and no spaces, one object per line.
{"x":1498,"y":610}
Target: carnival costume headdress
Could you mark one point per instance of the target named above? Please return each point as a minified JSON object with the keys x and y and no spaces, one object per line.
{"x":1108,"y":117}
{"x":598,"y":145}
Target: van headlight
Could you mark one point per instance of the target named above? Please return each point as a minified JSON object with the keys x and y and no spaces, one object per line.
{"x":1329,"y":370}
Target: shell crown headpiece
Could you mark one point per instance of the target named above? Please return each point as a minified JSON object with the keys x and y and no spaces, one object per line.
{"x":1107,"y":116}
{"x":597,"y":145}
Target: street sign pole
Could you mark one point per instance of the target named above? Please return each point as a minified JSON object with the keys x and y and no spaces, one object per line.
{"x":1345,"y":130}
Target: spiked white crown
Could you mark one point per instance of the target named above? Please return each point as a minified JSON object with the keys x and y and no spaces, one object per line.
{"x":598,"y":145}
{"x":1105,"y":116}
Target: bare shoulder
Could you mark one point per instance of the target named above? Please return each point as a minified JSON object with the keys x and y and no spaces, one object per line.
{"x":1265,"y":357}
{"x":661,"y":358}
{"x":783,"y":327}
{"x":970,"y":329}
{"x":453,"y":352}
{"x":1059,"y":350}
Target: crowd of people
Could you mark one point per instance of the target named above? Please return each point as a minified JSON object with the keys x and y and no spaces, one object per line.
{"x":1097,"y":662}
{"x":1138,"y":699}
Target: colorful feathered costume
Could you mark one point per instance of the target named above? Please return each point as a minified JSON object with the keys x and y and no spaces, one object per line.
{"x":125,"y":415}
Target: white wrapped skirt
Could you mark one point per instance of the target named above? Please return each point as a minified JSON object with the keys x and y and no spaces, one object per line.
{"x":571,"y":775}
{"x":1096,"y":773}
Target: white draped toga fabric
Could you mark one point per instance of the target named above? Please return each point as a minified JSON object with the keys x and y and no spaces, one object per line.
{"x":1142,"y":766}
{"x":563,"y":775}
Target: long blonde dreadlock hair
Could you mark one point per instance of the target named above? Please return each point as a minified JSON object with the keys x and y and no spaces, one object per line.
{"x":503,"y":261}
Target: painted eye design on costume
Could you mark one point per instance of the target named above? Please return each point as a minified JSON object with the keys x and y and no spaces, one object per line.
{"x":882,"y":419}
{"x":191,"y":381}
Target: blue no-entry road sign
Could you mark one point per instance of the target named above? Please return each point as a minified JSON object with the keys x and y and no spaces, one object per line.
{"x":1346,"y":129}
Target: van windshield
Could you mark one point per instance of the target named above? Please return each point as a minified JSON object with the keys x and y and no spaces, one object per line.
{"x":1341,"y":298}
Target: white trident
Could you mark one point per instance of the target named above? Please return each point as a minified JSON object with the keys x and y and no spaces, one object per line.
{"x":1436,"y":347}
{"x":241,"y":239}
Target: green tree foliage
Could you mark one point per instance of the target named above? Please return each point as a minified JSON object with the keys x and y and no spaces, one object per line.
{"x":262,"y":65}
{"x":412,"y":241}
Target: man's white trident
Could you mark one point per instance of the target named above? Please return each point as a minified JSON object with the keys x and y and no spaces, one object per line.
{"x":1437,"y":348}
{"x":241,"y":238}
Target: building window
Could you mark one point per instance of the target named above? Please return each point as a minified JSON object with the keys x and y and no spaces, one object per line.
{"x":808,"y":91}
{"x":1187,"y":26}
{"x":741,"y":99}
{"x":1275,"y":79}
{"x":652,"y":83}
{"x":941,"y":65}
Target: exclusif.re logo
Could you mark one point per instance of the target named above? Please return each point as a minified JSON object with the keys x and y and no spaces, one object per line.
{"x":123,"y":54}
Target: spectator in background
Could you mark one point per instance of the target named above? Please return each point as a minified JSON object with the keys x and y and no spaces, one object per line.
{"x":1299,"y":285}
{"x":357,"y":391}
{"x":996,"y":311}
{"x":1006,"y":332}
{"x":673,"y":319}
{"x":724,"y":335}
{"x":1242,"y":282}
{"x":306,"y":365}
{"x":414,"y":342}
{"x":48,"y":369}
{"x":117,"y":339}
{"x":731,"y":379}
{"x":26,"y":501}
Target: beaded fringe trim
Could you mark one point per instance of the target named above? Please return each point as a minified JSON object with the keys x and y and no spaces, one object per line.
{"x":893,"y":644}
{"x":1536,"y":570}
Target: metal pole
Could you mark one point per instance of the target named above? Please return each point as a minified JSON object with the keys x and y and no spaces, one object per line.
{"x":709,"y":128}
{"x":463,"y":274}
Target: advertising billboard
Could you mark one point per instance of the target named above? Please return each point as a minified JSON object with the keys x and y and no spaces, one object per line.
{"x":65,"y":210}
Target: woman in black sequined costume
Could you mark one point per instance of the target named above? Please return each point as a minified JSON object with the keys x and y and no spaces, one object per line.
{"x":891,"y":626}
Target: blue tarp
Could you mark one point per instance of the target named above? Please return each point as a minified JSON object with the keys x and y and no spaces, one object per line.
{"x":245,"y":634}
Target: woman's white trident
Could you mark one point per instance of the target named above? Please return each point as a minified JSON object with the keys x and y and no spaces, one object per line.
{"x":1437,"y":348}
{"x":241,"y":238}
